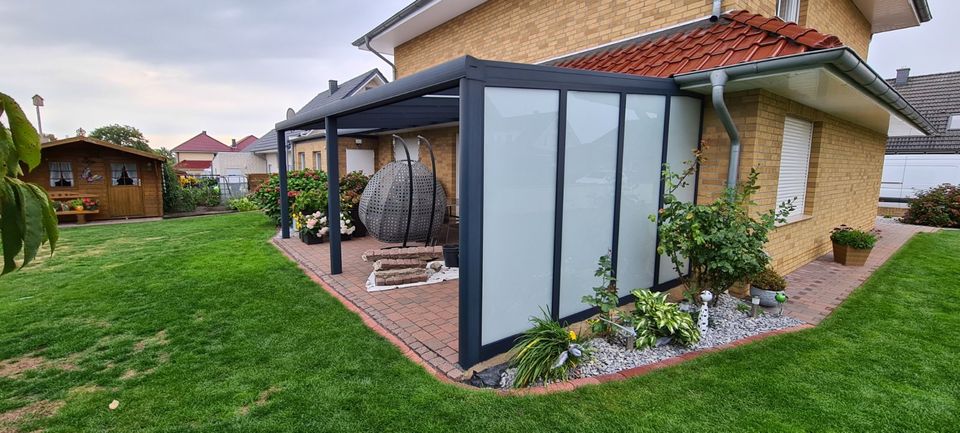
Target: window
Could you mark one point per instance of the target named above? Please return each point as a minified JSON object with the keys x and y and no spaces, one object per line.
{"x":301,"y":160}
{"x":316,"y":161}
{"x":788,"y":10}
{"x":795,"y":165}
{"x":124,"y":174}
{"x":61,"y":174}
{"x":954,"y":122}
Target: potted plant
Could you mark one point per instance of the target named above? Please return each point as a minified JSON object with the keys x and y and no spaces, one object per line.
{"x":766,"y":285}
{"x":314,"y":229}
{"x":851,"y":247}
{"x":351,"y":189}
{"x":76,"y":204}
{"x":346,"y":226}
{"x":90,"y":204}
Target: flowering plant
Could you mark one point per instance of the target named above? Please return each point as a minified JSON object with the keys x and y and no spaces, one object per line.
{"x":346,"y":225}
{"x":90,"y":204}
{"x":75,"y":203}
{"x":315,"y":223}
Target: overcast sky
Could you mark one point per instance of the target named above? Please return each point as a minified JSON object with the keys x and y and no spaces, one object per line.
{"x":175,"y":67}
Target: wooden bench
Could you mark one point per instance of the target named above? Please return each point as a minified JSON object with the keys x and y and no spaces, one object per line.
{"x":67,"y":196}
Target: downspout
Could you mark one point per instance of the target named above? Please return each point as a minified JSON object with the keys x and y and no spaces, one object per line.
{"x":715,"y":14}
{"x":718,"y":79}
{"x":366,"y":43}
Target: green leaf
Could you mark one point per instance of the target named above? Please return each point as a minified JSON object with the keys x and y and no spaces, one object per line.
{"x":25,"y":138}
{"x":11,"y":226}
{"x":8,"y":155}
{"x":51,"y":229}
{"x":32,"y":216}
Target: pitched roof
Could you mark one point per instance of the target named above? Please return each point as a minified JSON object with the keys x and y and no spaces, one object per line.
{"x":193,"y":165}
{"x":936,"y":97}
{"x":202,"y":143}
{"x":244,"y":142}
{"x":102,"y":143}
{"x":736,"y":37}
{"x":268,"y":141}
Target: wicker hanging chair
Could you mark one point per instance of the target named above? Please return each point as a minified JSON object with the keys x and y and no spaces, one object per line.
{"x":386,"y":203}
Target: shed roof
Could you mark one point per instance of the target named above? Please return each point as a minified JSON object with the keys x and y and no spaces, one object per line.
{"x":736,"y":37}
{"x":102,"y":143}
{"x":936,"y":97}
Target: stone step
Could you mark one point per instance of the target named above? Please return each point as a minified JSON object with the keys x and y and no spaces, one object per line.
{"x":387,"y":264}
{"x":420,"y":253}
{"x":400,"y":276}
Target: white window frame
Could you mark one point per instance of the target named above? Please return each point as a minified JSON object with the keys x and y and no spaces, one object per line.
{"x":794,"y":175}
{"x":789,"y":10}
{"x":62,"y":169}
{"x":317,"y":160}
{"x":302,"y":160}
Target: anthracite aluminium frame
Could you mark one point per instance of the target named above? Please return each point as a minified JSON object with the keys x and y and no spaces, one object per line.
{"x":430,"y":97}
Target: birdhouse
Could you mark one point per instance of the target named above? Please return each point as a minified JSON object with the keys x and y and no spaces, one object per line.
{"x":37,"y":100}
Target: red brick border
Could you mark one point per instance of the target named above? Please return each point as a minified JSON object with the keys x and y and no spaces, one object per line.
{"x":551,"y":388}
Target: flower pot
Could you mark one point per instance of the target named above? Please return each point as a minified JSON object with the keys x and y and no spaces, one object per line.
{"x":346,"y":237}
{"x":78,"y":208}
{"x":848,"y":256}
{"x":768,"y":298}
{"x":361,"y":230}
{"x":311,"y":238}
{"x":451,"y":255}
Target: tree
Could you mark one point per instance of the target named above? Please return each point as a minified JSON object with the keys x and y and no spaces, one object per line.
{"x":27,"y":219}
{"x":123,"y":135}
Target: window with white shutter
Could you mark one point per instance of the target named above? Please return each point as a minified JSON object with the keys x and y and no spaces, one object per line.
{"x":795,"y":164}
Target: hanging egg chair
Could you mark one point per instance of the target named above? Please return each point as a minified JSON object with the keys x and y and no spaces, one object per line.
{"x":403,"y":202}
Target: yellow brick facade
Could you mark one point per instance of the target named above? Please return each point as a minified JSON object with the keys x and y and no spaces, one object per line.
{"x":309,"y":147}
{"x":843,"y":184}
{"x":530,"y":31}
{"x":445,"y":152}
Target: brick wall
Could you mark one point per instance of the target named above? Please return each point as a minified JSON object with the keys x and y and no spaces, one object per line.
{"x":308,"y":147}
{"x":444,"y":149}
{"x":531,"y":31}
{"x":844,"y":180}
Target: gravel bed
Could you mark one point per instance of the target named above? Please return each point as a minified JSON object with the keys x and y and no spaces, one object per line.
{"x":726,"y":325}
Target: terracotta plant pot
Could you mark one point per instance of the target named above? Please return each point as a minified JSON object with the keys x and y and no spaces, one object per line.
{"x":78,"y":208}
{"x":847,"y":256}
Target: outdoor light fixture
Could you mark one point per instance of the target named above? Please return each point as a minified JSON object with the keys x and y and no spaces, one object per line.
{"x":755,"y":307}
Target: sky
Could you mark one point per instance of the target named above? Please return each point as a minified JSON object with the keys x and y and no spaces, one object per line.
{"x":173,"y":68}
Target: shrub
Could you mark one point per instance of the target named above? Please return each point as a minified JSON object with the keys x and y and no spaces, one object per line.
{"x":175,"y":200}
{"x":722,"y":241}
{"x":203,"y":195}
{"x":242,"y":204}
{"x":768,"y":279}
{"x":937,"y":207}
{"x":267,"y":195}
{"x":605,"y":298}
{"x":546,"y":352}
{"x":655,"y":318}
{"x":853,"y":238}
{"x":351,"y":188}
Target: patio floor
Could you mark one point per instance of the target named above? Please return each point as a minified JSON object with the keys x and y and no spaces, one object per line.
{"x":425,"y":318}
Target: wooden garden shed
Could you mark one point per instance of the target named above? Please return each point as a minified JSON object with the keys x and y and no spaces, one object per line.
{"x":125,"y":182}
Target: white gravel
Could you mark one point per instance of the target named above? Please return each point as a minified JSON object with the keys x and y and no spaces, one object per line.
{"x":726,"y":325}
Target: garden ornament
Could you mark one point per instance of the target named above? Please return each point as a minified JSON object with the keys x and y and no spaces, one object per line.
{"x":703,"y":319}
{"x":755,"y":307}
{"x":574,"y":350}
{"x":781,"y":298}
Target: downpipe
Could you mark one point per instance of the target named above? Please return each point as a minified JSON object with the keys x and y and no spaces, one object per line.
{"x":718,"y":79}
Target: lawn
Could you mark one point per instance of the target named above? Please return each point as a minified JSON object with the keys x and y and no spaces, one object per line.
{"x":201,"y":325}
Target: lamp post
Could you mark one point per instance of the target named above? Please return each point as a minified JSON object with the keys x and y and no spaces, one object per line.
{"x":38,"y":102}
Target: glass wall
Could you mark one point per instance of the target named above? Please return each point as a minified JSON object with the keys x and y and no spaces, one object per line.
{"x":589,"y":182}
{"x":519,"y":199}
{"x":682,"y":140}
{"x":640,"y":191}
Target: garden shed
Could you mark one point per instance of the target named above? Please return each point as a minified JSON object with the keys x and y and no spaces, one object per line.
{"x":117,"y":181}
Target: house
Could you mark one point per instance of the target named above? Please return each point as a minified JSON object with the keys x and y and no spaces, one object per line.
{"x":195,"y":156}
{"x":239,"y":162}
{"x":551,"y":121}
{"x":125,"y":181}
{"x":917,"y":162}
{"x":305,"y":151}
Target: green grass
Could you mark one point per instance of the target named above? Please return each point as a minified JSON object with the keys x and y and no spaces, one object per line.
{"x":240,"y":319}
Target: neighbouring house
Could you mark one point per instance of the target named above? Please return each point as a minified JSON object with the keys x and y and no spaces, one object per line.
{"x":239,"y":162}
{"x":551,"y":121}
{"x":304,"y":150}
{"x":195,"y":156}
{"x":917,"y":162}
{"x":125,"y":181}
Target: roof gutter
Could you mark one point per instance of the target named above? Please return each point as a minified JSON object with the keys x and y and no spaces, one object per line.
{"x":366,"y":42}
{"x":844,"y":60}
{"x":923,"y":10}
{"x":718,"y":79}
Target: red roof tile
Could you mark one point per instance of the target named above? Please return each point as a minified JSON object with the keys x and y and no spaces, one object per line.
{"x":193,"y":165}
{"x":246,"y":141}
{"x":737,"y":38}
{"x":202,"y":143}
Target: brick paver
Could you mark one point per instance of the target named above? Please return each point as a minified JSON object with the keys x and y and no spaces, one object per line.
{"x":425,"y":318}
{"x":818,"y":287}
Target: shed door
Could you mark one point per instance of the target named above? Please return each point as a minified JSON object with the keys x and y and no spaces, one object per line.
{"x":125,"y":195}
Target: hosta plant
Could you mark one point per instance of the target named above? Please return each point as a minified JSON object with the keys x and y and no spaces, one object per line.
{"x":655,"y":318}
{"x":546,"y":352}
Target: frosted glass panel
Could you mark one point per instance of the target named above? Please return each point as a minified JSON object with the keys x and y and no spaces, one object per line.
{"x":683,"y":139}
{"x":589,"y":180}
{"x":640,"y":193}
{"x":519,"y":195}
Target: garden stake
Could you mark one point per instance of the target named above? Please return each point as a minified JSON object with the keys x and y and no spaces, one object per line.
{"x":755,"y":307}
{"x":781,"y":298}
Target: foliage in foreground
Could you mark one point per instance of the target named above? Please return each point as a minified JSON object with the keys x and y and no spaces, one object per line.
{"x":655,"y":318}
{"x":546,"y":352}
{"x":27,"y":217}
{"x":938,"y":207}
{"x":853,"y":238}
{"x":722,"y":241}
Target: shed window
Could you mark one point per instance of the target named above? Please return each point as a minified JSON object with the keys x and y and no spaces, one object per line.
{"x":954,"y":122}
{"x":788,"y":10}
{"x":795,"y":164}
{"x":61,"y":174}
{"x":124,"y":174}
{"x":316,"y":161}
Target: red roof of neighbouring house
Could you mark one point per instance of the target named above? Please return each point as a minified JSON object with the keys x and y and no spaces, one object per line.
{"x":737,"y":37}
{"x":246,"y":141}
{"x":202,"y":143}
{"x":193,"y":165}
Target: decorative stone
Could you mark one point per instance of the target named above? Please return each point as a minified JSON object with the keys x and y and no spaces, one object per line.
{"x":387,"y":264}
{"x":386,"y":203}
{"x":425,"y":254}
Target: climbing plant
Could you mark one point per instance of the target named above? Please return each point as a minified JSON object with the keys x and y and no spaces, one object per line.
{"x":27,"y":219}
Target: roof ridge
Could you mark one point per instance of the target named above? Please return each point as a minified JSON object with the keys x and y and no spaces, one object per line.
{"x":807,"y":36}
